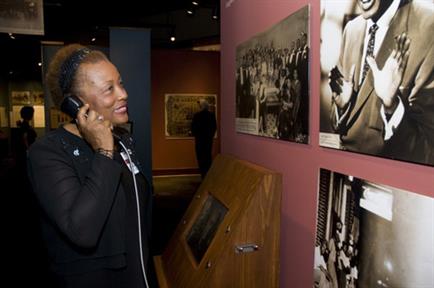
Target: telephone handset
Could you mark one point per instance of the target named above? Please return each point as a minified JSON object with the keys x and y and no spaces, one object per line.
{"x":72,"y":104}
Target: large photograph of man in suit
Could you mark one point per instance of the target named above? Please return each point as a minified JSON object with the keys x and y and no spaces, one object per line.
{"x":377,"y":93}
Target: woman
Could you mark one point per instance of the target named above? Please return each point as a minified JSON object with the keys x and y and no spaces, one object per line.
{"x":84,"y":180}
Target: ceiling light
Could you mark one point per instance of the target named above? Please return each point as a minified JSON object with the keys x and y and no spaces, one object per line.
{"x":215,"y":13}
{"x":172,"y":34}
{"x":12,"y":36}
{"x":39,"y":64}
{"x":93,"y":39}
{"x":190,"y":11}
{"x":195,"y":3}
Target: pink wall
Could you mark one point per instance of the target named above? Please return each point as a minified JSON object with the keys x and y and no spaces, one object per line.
{"x":180,"y":71}
{"x":298,"y":163}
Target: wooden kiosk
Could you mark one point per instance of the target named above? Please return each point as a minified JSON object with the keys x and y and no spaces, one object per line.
{"x":230,"y":233}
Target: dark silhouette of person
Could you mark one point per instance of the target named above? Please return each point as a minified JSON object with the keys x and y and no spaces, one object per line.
{"x":23,"y":137}
{"x":27,"y":241}
{"x":203,"y":128}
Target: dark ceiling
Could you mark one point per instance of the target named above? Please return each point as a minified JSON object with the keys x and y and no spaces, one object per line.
{"x":81,"y":20}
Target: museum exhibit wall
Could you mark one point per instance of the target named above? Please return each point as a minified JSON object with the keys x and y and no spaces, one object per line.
{"x":298,"y":163}
{"x":7,"y":88}
{"x":180,"y":72}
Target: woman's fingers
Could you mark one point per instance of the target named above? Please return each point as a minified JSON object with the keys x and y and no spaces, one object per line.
{"x":82,"y":113}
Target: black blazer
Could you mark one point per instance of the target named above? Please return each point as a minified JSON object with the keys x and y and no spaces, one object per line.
{"x":83,"y":203}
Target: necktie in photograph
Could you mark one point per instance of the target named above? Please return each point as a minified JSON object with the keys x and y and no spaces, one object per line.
{"x":370,"y":49}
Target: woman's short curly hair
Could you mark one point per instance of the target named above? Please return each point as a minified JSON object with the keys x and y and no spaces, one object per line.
{"x":53,"y":75}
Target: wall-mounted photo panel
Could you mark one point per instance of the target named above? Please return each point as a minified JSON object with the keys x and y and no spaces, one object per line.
{"x":21,"y":98}
{"x":372,"y":235}
{"x":22,"y":17}
{"x":377,"y":78}
{"x":179,"y":111}
{"x":33,"y":97}
{"x":272,"y":81}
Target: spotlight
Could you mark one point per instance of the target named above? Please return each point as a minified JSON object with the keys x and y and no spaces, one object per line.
{"x":195,"y":3}
{"x":215,"y":13}
{"x":11,"y":36}
{"x":190,"y":11}
{"x":172,"y":34}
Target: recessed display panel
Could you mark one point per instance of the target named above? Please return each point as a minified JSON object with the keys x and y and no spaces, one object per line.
{"x":204,"y":228}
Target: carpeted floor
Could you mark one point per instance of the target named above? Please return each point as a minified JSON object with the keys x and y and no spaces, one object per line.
{"x":176,"y":185}
{"x":173,"y":194}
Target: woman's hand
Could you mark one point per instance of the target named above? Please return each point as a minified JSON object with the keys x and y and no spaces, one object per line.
{"x":94,"y":129}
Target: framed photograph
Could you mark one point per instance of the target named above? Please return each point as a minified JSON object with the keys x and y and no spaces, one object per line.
{"x":272,"y":81}
{"x":21,"y":98}
{"x":27,"y":97}
{"x":372,"y":235}
{"x":37,"y":97}
{"x":377,"y":78}
{"x":22,"y":17}
{"x":179,"y":111}
{"x":204,"y":228}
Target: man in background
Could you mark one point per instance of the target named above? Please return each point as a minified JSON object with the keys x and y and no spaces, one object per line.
{"x":203,"y":128}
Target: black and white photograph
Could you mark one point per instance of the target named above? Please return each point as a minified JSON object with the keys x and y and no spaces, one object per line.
{"x":377,"y":78}
{"x":272,"y":81}
{"x":205,"y":227}
{"x":372,"y":235}
{"x":22,"y":17}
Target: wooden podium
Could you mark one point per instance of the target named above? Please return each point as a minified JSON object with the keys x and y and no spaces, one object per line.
{"x":230,"y":233}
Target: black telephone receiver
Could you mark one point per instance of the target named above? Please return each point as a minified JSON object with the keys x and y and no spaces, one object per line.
{"x":70,"y":105}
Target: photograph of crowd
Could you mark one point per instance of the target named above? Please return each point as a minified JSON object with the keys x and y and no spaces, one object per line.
{"x":272,"y":81}
{"x":377,"y":78}
{"x":372,"y":235}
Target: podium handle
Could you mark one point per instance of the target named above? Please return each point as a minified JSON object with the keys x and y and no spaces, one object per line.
{"x":246,"y":248}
